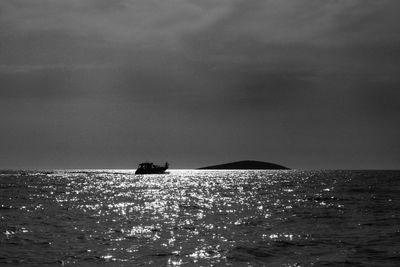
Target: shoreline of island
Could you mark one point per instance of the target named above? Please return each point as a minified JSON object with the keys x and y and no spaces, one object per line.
{"x":245,"y":165}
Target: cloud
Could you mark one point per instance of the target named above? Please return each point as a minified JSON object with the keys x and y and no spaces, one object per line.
{"x":288,"y":76}
{"x":15,"y":69}
{"x":134,"y":22}
{"x":330,"y":22}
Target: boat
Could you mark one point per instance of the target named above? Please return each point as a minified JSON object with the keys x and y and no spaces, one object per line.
{"x":150,"y":168}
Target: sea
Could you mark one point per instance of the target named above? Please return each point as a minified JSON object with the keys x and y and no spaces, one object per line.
{"x":200,"y":218}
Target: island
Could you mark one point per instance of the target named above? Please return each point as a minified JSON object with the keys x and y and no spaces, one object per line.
{"x":246,"y":165}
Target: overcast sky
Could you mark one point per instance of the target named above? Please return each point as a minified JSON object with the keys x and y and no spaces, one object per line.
{"x":109,"y":83}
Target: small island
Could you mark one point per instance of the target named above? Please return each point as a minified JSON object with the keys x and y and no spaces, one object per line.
{"x":246,"y":165}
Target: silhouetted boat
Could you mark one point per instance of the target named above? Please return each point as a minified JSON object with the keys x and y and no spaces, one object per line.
{"x":150,"y":168}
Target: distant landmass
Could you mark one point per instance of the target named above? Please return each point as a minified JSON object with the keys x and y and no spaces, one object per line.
{"x":246,"y":165}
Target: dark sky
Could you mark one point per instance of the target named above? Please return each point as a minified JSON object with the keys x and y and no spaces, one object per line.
{"x":109,"y":83}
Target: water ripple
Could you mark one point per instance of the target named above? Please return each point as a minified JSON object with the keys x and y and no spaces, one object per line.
{"x":193,"y":217}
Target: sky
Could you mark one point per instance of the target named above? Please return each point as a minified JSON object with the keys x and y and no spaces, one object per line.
{"x":309,"y":84}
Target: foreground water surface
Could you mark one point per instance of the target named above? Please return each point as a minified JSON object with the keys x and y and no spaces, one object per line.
{"x":198,"y":217}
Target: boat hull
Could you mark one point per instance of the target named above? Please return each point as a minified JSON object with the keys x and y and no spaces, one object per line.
{"x":154,"y":171}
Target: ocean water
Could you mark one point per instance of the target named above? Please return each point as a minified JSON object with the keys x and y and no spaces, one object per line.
{"x":200,"y":218}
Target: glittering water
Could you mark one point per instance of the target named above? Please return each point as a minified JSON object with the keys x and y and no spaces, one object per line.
{"x":193,"y":217}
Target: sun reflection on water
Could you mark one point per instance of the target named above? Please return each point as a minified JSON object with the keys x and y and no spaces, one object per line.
{"x":184,"y":217}
{"x":171,"y":213}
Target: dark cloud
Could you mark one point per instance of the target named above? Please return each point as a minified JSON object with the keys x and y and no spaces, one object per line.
{"x":308,"y":84}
